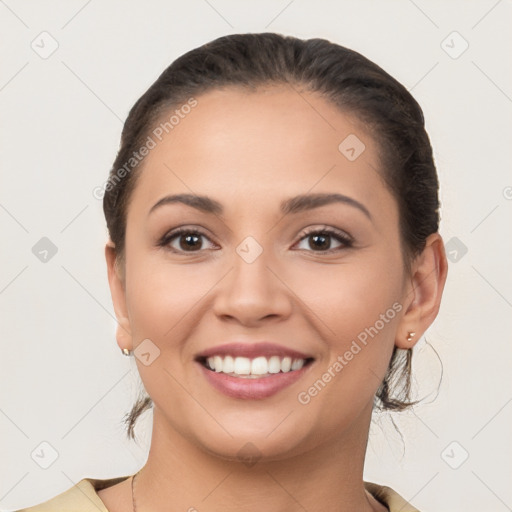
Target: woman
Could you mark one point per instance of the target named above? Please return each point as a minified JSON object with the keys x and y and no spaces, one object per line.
{"x":274,"y":256}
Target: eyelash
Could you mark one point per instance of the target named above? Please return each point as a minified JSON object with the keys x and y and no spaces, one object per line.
{"x":339,"y":236}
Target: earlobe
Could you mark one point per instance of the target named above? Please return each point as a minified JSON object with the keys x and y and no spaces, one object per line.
{"x":117,"y":291}
{"x":407,"y":340}
{"x":424,"y":293}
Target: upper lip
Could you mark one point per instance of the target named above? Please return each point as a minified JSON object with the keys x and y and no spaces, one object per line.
{"x":252,"y":350}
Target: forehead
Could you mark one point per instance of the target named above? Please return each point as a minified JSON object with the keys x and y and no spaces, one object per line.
{"x":272,"y":142}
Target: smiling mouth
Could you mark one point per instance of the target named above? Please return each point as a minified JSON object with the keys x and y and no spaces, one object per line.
{"x":253,"y":368}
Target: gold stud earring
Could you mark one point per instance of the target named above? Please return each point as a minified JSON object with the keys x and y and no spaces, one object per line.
{"x":411,"y":336}
{"x":126,"y":352}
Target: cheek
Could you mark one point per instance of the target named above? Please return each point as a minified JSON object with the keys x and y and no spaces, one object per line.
{"x":352,"y":296}
{"x":358,"y":307}
{"x":164,"y":300}
{"x":160,"y":295}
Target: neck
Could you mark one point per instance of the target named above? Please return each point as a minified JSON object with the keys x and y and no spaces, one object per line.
{"x":177,"y":472}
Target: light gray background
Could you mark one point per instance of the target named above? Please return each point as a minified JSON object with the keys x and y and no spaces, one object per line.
{"x":63,"y":378}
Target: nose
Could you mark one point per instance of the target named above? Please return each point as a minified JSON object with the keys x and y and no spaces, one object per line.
{"x":253,"y":293}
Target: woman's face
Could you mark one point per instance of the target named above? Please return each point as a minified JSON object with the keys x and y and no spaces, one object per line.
{"x":260,"y":271}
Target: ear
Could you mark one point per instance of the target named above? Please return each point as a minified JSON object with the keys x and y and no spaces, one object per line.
{"x":423,"y":292}
{"x":117,"y":290}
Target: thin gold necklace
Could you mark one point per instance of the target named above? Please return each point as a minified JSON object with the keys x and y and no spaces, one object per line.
{"x":133,"y":492}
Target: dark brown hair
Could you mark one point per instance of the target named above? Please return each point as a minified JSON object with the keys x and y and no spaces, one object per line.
{"x":348,"y":80}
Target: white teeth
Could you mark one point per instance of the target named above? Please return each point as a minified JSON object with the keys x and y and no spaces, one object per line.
{"x":259,"y":366}
{"x":217,"y":361}
{"x":274,"y":364}
{"x":243,"y":366}
{"x":297,"y":364}
{"x":228,"y":365}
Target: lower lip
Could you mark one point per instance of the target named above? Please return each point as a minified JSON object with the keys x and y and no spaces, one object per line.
{"x":250,"y":388}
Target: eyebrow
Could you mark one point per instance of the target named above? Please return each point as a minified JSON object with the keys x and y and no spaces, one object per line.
{"x":292,"y":205}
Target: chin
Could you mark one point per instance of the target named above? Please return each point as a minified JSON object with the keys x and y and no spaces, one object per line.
{"x":252,"y":449}
{"x":258,"y":439}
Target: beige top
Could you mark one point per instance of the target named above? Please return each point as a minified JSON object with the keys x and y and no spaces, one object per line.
{"x":83,"y":497}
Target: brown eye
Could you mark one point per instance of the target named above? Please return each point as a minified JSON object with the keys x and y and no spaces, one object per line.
{"x":190,"y":242}
{"x":185,"y":240}
{"x":322,"y":240}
